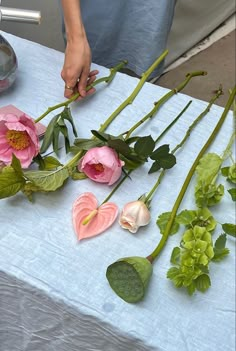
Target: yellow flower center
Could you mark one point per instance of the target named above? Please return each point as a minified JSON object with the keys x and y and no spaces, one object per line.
{"x":18,"y":140}
{"x":99,"y":167}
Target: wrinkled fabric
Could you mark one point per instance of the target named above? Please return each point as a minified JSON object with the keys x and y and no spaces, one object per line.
{"x":54,"y":295}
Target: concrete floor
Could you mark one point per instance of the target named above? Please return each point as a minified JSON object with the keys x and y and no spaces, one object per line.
{"x":219,"y":62}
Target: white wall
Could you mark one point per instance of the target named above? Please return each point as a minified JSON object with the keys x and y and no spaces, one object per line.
{"x":47,"y":33}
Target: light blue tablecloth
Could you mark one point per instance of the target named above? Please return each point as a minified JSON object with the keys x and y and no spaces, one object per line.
{"x":53,"y":291}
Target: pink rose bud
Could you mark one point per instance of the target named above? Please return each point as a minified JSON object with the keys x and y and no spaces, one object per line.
{"x":134,"y":215}
{"x":18,"y":136}
{"x":101,"y":164}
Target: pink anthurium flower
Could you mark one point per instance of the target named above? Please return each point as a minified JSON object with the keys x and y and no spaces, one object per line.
{"x":101,"y":164}
{"x":18,"y":136}
{"x":89,"y":219}
{"x":135,"y":214}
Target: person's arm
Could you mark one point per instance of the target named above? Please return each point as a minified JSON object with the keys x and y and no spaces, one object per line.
{"x":76,"y":69}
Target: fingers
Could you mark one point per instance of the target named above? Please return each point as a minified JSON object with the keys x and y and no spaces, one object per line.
{"x":81,"y":85}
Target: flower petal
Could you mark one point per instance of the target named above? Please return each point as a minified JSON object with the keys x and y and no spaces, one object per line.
{"x":105,"y":217}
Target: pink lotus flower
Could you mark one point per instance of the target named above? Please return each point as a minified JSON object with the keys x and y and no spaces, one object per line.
{"x":134,"y":215}
{"x":18,"y":136}
{"x":101,"y":164}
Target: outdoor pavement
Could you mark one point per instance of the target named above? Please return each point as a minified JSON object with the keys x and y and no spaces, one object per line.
{"x":219,"y":62}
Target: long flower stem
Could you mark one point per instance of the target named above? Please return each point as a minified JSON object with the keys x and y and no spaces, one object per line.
{"x":159,"y":137}
{"x":106,"y":79}
{"x":128,"y":101}
{"x":177,"y":203}
{"x":166,"y":97}
{"x":149,"y":196}
{"x":135,"y":92}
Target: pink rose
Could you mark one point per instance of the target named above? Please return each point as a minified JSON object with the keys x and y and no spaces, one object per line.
{"x":18,"y":136}
{"x":101,"y":164}
{"x":134,"y":215}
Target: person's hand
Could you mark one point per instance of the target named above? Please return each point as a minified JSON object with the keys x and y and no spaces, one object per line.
{"x":76,"y":69}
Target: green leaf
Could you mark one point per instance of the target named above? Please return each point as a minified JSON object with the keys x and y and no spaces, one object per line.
{"x":120,"y":146}
{"x":66,"y":114}
{"x":162,"y":221}
{"x":208,"y":168}
{"x":203,"y":282}
{"x":220,"y":254}
{"x":229,"y":229}
{"x":191,"y":288}
{"x":16,"y":165}
{"x":232,"y":193}
{"x":48,"y":136}
{"x":78,"y":176}
{"x":48,"y":180}
{"x":168,"y":161}
{"x":220,"y":251}
{"x":144,"y":146}
{"x":225,"y":171}
{"x":186,"y":217}
{"x":155,"y":167}
{"x":220,"y":242}
{"x":160,"y":152}
{"x":87,"y":144}
{"x":55,"y":140}
{"x":175,"y":255}
{"x":50,"y":163}
{"x":10,"y":182}
{"x":100,"y":135}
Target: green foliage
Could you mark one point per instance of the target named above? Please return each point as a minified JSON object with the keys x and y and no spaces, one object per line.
{"x":229,"y":229}
{"x":232,"y":193}
{"x":162,"y":221}
{"x":162,"y":159}
{"x":56,"y":127}
{"x":208,"y":168}
{"x":11,"y":179}
{"x":229,"y":173}
{"x":48,"y":180}
{"x":220,"y":251}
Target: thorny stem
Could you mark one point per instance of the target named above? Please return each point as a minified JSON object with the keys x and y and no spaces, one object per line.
{"x":177,"y":203}
{"x":149,"y":196}
{"x":135,"y":92}
{"x":161,"y":135}
{"x":166,"y":97}
{"x":107,"y":79}
{"x":128,"y":101}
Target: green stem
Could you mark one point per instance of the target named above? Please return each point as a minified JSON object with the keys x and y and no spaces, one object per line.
{"x":128,"y":101}
{"x":135,"y":92}
{"x":116,"y":187}
{"x":107,"y":79}
{"x":161,"y":135}
{"x":166,"y":97}
{"x":149,"y":196}
{"x":173,"y":122}
{"x":177,"y":203}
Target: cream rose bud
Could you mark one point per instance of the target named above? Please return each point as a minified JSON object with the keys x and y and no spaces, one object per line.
{"x":135,"y":214}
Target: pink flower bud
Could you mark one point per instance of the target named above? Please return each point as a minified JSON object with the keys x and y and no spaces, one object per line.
{"x":134,"y":215}
{"x":101,"y":164}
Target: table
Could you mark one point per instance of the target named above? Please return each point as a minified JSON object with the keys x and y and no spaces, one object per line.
{"x":53,"y":291}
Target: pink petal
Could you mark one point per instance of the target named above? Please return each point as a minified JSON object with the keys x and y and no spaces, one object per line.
{"x":105,"y":217}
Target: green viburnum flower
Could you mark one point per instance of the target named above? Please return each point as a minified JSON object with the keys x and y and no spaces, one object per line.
{"x":202,"y":218}
{"x":209,"y":195}
{"x":198,"y":243}
{"x":129,"y":277}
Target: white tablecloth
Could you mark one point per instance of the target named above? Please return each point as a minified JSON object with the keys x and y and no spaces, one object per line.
{"x":53,"y":291}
